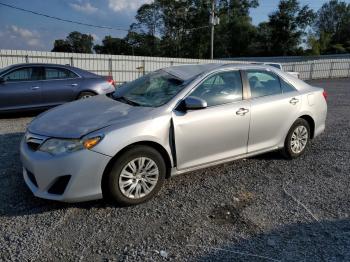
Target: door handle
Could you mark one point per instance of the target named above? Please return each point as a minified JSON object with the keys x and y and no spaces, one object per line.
{"x":294,"y":101}
{"x":242,"y":111}
{"x":74,"y":84}
{"x":35,"y":88}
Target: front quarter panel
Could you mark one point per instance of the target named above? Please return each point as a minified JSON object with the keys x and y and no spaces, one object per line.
{"x":150,"y":130}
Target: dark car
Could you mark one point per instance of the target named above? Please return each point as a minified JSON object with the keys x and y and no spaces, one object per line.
{"x":31,"y":86}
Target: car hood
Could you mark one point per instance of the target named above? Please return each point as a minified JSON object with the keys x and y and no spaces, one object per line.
{"x":76,"y":119}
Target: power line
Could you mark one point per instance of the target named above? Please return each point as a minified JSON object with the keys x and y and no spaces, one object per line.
{"x":85,"y":24}
{"x":64,"y":20}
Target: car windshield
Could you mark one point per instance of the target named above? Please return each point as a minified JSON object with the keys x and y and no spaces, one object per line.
{"x":2,"y":70}
{"x":152,"y":90}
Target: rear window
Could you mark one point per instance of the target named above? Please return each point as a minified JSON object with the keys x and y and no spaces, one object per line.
{"x":263,"y":83}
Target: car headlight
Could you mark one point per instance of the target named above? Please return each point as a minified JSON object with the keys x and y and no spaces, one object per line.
{"x":57,"y":146}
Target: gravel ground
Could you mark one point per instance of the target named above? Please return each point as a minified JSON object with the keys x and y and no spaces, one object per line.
{"x":241,"y":211}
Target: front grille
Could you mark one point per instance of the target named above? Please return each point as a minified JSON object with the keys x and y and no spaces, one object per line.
{"x":32,"y":178}
{"x":34,"y":141}
{"x":60,"y":185}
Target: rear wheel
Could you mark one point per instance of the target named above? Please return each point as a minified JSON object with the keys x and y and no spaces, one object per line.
{"x":84,"y":95}
{"x":297,"y":139}
{"x":136,"y":176}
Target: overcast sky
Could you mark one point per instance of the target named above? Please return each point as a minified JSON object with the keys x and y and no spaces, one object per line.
{"x":20,"y":30}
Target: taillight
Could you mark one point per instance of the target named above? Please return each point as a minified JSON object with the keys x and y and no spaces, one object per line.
{"x":325,"y":95}
{"x":110,"y":80}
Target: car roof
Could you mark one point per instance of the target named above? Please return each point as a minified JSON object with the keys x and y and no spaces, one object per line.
{"x":186,"y":72}
{"x":41,"y":64}
{"x":77,"y":70}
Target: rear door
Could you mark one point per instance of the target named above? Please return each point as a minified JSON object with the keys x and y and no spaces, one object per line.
{"x":21,"y":88}
{"x":217,"y":132}
{"x":61,"y":85}
{"x":275,"y":105}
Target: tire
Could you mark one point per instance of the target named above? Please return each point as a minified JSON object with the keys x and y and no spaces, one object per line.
{"x":298,"y":129}
{"x":84,"y":95}
{"x":123,"y":167}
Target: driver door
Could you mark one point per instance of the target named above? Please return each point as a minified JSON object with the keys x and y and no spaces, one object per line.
{"x":217,"y":132}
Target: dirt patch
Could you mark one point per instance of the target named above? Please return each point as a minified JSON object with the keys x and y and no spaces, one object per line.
{"x":232,"y":213}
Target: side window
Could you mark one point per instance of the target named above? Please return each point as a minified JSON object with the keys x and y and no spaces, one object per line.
{"x":24,"y":74}
{"x":221,"y":88}
{"x":286,"y":87}
{"x":263,"y":83}
{"x":58,"y":73}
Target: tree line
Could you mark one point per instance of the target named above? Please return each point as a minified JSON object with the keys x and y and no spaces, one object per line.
{"x":181,"y":29}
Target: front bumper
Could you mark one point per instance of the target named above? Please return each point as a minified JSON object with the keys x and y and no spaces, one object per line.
{"x":84,"y":169}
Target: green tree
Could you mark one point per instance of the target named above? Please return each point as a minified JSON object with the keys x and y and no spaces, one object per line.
{"x":318,"y":45}
{"x":177,"y":16}
{"x":80,"y":43}
{"x":288,"y":25}
{"x":61,"y":45}
{"x":75,"y":42}
{"x":143,"y":44}
{"x":262,"y":42}
{"x":235,"y":34}
{"x":183,"y":27}
{"x":337,"y":49}
{"x":332,"y":16}
{"x":113,"y":46}
{"x":145,"y":30}
{"x":192,"y":36}
{"x":333,"y":20}
{"x":149,"y":19}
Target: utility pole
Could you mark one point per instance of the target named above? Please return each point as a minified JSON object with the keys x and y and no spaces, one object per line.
{"x":214,"y":20}
{"x":212,"y":17}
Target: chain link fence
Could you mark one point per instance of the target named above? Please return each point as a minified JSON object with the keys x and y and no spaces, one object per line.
{"x":127,"y":68}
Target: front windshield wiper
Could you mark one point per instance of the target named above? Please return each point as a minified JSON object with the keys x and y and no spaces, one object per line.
{"x":126,"y":100}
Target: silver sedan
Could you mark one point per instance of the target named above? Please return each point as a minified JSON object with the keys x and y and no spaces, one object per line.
{"x":171,"y":121}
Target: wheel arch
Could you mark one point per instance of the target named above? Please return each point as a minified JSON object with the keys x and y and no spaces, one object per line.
{"x":85,"y":90}
{"x":311,"y":123}
{"x":152,"y":144}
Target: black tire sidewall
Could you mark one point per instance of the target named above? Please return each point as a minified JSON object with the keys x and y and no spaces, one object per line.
{"x":287,"y":144}
{"x":114,"y":191}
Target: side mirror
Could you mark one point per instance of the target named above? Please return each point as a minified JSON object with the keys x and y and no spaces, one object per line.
{"x":194,"y":103}
{"x":2,"y":80}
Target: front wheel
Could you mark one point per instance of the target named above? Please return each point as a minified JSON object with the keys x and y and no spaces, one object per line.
{"x":297,"y":139}
{"x":136,"y":176}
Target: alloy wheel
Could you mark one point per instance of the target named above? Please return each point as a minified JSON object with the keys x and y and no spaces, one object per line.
{"x":299,"y":139}
{"x":138,"y":178}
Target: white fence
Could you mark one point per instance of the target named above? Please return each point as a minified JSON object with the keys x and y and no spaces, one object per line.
{"x":127,"y":68}
{"x":324,"y":68}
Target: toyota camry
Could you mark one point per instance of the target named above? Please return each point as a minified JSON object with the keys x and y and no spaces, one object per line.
{"x":168,"y":122}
